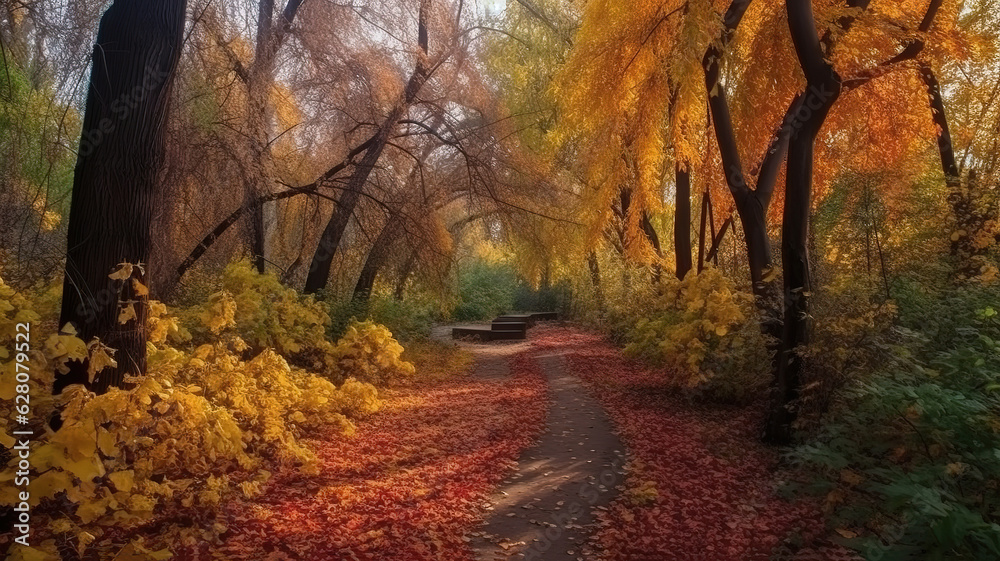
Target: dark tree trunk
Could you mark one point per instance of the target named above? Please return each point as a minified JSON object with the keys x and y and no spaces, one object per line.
{"x":404,"y":275}
{"x":595,"y":279}
{"x":706,"y":201}
{"x":751,"y":204}
{"x":968,"y":214}
{"x":958,"y":198}
{"x":654,"y":240}
{"x":682,"y":221}
{"x":823,"y":87}
{"x":121,"y":155}
{"x":648,"y":231}
{"x":319,"y":270}
{"x":377,"y":256}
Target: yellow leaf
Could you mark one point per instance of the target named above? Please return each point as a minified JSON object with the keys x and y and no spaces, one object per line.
{"x":86,"y":469}
{"x":123,"y":272}
{"x":107,"y":443}
{"x":123,"y":480}
{"x":49,"y":483}
{"x":847,"y":533}
{"x":100,"y":358}
{"x":139,"y":288}
{"x":126,"y":314}
{"x":88,"y":511}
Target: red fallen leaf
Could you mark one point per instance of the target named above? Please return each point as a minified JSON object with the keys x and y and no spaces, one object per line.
{"x":715,"y":483}
{"x":407,"y":486}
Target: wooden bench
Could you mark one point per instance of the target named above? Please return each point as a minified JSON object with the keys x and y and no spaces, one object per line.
{"x":509,"y":325}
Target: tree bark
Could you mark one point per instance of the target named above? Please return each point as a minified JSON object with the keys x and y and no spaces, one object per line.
{"x":114,"y":184}
{"x":648,"y":231}
{"x":705,"y":203}
{"x":682,"y":221}
{"x":259,"y":82}
{"x":823,"y":87}
{"x":404,"y":275}
{"x":751,"y":204}
{"x":968,"y":215}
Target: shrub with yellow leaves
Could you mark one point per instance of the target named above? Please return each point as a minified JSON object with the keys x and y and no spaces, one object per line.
{"x":368,"y":352}
{"x":262,"y":311}
{"x":211,"y":417}
{"x":705,"y":330}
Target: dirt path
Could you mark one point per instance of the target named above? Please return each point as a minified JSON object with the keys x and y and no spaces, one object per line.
{"x":545,"y":510}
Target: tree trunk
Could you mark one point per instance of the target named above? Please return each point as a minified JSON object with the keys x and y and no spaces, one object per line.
{"x":259,"y":82}
{"x":404,"y":275}
{"x":595,"y":279}
{"x":114,"y":184}
{"x":377,"y":256}
{"x":648,"y":231}
{"x":968,"y":216}
{"x":705,"y":203}
{"x":823,"y":87}
{"x":682,"y":221}
{"x":319,"y":270}
{"x":751,"y":204}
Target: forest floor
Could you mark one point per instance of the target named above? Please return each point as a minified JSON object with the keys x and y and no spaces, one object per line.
{"x":556,"y":448}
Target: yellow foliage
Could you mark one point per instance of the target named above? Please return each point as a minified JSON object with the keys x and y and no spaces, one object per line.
{"x":203,"y":422}
{"x":704,"y":329}
{"x":368,"y":353}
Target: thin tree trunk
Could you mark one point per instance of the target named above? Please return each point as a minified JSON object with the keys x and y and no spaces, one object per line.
{"x":705,"y":202}
{"x":121,"y":154}
{"x":595,"y":279}
{"x":654,"y":240}
{"x":682,"y":221}
{"x":751,"y":204}
{"x":648,"y":231}
{"x":259,"y":82}
{"x":319,"y":270}
{"x":404,"y":275}
{"x":377,"y":256}
{"x":713,"y":254}
{"x":966,"y":220}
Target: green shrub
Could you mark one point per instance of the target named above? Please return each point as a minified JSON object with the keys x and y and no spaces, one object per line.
{"x":409,"y":320}
{"x":910,"y":458}
{"x":485,"y":290}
